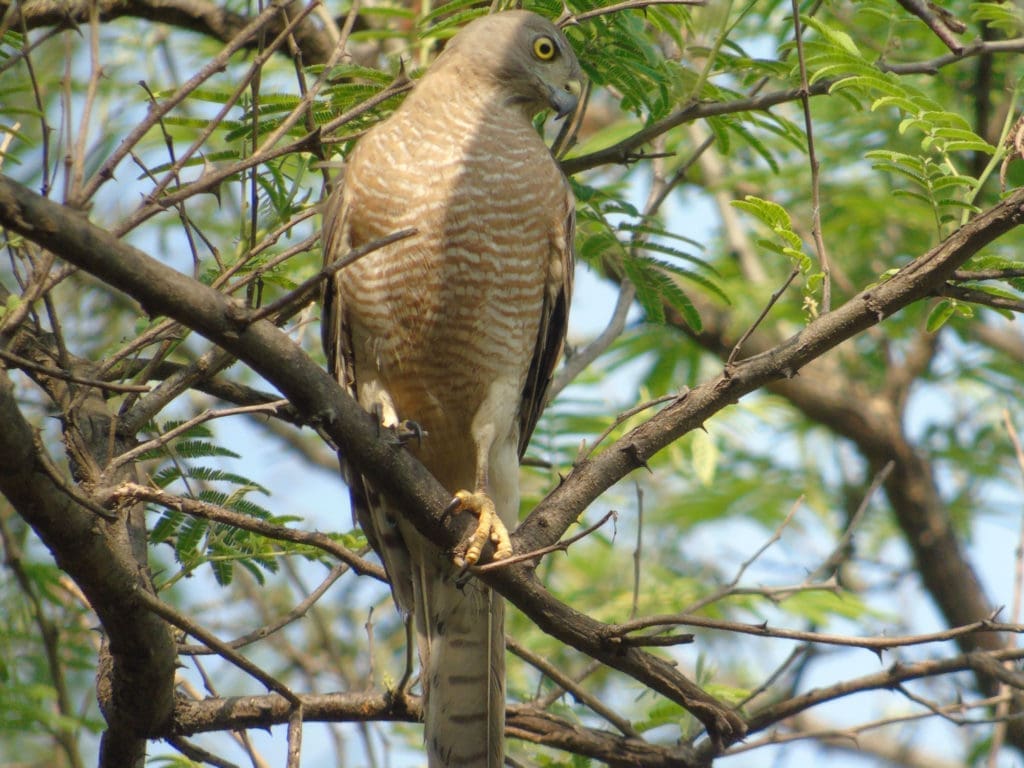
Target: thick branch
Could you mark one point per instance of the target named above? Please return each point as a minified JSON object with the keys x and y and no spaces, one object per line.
{"x":522,"y":722}
{"x":138,"y":671}
{"x":200,"y":16}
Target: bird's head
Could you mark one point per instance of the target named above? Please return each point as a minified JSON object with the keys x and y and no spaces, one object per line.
{"x":523,"y":56}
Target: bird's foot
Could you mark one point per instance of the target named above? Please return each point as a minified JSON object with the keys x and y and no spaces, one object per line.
{"x":489,"y":528}
{"x":402,"y":431}
{"x":409,"y":430}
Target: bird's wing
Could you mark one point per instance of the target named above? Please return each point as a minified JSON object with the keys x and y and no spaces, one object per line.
{"x":377,"y":520}
{"x":337,"y":341}
{"x":553,"y":325}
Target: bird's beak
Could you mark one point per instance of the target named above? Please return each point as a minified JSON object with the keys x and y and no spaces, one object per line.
{"x":564,"y":100}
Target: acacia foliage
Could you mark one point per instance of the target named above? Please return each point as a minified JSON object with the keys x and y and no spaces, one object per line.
{"x":815,"y":213}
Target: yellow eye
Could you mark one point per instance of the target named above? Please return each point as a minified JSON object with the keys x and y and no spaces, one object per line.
{"x":544,"y":48}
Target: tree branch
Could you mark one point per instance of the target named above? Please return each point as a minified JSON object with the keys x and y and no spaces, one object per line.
{"x":918,"y":279}
{"x":137,"y":671}
{"x":200,"y":16}
{"x":162,"y":290}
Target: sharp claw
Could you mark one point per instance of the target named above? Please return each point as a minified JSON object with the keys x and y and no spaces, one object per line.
{"x":489,"y":528}
{"x":455,"y":505}
{"x":408,"y":430}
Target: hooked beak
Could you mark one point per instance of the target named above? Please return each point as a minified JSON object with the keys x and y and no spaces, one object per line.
{"x":564,"y":100}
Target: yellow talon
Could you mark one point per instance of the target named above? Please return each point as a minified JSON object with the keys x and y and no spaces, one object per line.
{"x":489,"y":528}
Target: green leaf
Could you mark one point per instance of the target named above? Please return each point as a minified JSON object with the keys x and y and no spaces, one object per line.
{"x":940,"y":313}
{"x":705,"y":457}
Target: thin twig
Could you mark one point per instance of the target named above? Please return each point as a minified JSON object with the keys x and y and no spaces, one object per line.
{"x":576,"y":362}
{"x":71,"y":490}
{"x":637,"y":551}
{"x":308,"y":98}
{"x":876,"y":644}
{"x":563,"y":680}
{"x":214,"y":66}
{"x":975,"y":296}
{"x":207,"y":415}
{"x":309,"y":286}
{"x":1003,"y":708}
{"x":940,"y":21}
{"x":300,"y":610}
{"x":623,"y":416}
{"x":568,"y":18}
{"x":760,"y":318}
{"x":987,"y":274}
{"x":560,"y":546}
{"x":57,"y":373}
{"x":799,"y":652}
{"x":197,"y":754}
{"x":820,"y":735}
{"x":812,"y":157}
{"x":186,"y":624}
{"x":831,"y":563}
{"x":50,"y":635}
{"x":730,"y":588}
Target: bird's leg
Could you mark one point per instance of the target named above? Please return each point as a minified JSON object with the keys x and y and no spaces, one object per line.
{"x":489,"y":526}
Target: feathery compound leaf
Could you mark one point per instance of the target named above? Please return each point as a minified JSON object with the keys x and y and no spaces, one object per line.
{"x":776,"y":218}
{"x":1006,"y":17}
{"x":445,"y":20}
{"x":655,"y":289}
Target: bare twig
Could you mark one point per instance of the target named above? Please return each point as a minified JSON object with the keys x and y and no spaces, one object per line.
{"x":568,"y":18}
{"x":307,"y":289}
{"x":975,"y":296}
{"x":560,"y":546}
{"x":802,"y":729}
{"x":50,"y":635}
{"x":624,"y":416}
{"x":185,"y":624}
{"x":197,"y":754}
{"x":760,"y":318}
{"x":832,"y":562}
{"x":571,"y":686}
{"x":730,"y":588}
{"x":1003,"y":708}
{"x":58,"y":373}
{"x":208,"y":415}
{"x":576,"y":362}
{"x":637,"y":551}
{"x":876,"y":644}
{"x":217,"y":64}
{"x":812,"y":158}
{"x":300,"y":610}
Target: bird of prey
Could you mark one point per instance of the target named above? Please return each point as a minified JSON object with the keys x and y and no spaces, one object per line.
{"x":457,"y":328}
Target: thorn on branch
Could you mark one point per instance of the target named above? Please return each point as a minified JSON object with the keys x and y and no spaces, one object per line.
{"x":633,"y":450}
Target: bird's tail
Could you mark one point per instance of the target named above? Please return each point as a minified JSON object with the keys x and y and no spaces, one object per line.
{"x":462,"y":653}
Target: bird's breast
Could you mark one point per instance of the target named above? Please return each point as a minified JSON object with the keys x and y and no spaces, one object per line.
{"x":442,"y":314}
